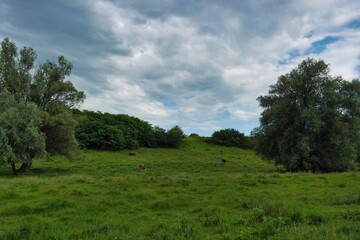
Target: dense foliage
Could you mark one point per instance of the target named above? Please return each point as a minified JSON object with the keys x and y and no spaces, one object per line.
{"x":50,"y":92}
{"x":231,"y":138}
{"x":20,"y":135}
{"x":105,"y":131}
{"x":311,"y":120}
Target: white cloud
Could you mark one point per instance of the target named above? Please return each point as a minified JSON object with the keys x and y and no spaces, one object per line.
{"x":344,"y":55}
{"x":170,"y":63}
{"x":206,"y":73}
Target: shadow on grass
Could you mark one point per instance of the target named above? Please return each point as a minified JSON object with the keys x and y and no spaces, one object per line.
{"x":36,"y":171}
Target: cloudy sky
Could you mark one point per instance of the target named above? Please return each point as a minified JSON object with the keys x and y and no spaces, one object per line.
{"x":199,"y":64}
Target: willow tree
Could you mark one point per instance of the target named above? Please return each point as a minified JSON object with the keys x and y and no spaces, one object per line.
{"x":310,"y":120}
{"x":49,"y":88}
{"x":52,"y":92}
{"x":20,"y":137}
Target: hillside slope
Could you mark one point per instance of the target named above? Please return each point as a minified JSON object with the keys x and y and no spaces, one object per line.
{"x":185,"y":193}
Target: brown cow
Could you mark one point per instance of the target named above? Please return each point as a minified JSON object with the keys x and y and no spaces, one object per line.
{"x":142,"y":167}
{"x":132,"y":153}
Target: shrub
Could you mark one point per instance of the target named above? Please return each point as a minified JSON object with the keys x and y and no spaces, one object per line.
{"x":232,"y":138}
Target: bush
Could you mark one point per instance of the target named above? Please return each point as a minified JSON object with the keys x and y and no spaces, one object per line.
{"x":231,"y":138}
{"x":174,"y":136}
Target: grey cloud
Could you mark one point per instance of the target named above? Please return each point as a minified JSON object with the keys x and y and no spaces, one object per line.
{"x":200,"y":64}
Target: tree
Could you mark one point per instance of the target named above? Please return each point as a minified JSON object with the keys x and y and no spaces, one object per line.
{"x":20,"y":137}
{"x":310,"y":120}
{"x":107,"y":131}
{"x":170,"y":139}
{"x":48,"y":87}
{"x":174,"y":137}
{"x":59,"y":130}
{"x":231,"y":138}
{"x":56,"y":95}
{"x":51,"y":90}
{"x":351,"y":110}
{"x":15,"y":72}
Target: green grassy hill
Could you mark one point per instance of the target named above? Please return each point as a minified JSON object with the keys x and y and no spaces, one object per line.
{"x":185,"y":193}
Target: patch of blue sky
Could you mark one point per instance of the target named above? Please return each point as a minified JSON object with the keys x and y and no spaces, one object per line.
{"x":358,"y":70}
{"x":355,"y":24}
{"x":316,"y":48}
{"x":319,"y":46}
{"x":223,"y":115}
{"x":291,"y":55}
{"x":169,"y":103}
{"x":283,"y":61}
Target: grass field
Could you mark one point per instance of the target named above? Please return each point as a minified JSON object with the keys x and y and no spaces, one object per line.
{"x":185,"y":193}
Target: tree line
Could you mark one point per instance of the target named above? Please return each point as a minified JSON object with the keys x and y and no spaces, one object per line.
{"x":231,"y":137}
{"x":105,"y":131}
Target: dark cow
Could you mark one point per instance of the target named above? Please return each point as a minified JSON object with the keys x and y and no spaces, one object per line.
{"x":132,"y":153}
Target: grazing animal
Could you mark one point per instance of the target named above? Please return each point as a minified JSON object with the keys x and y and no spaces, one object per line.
{"x":132,"y":153}
{"x":223,"y":160}
{"x":142,"y":167}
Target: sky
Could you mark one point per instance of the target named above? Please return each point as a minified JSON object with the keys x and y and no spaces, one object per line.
{"x":197,"y":64}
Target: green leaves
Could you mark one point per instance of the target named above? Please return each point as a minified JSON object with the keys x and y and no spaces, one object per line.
{"x":51,"y":95}
{"x":105,"y":131}
{"x":308,"y":119}
{"x":15,"y":75}
{"x":21,"y":138}
{"x":50,"y":89}
{"x":231,"y":138}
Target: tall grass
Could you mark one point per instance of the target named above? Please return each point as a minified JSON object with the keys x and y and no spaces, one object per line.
{"x":185,"y":193}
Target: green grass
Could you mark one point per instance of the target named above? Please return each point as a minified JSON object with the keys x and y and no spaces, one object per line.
{"x":185,"y":193}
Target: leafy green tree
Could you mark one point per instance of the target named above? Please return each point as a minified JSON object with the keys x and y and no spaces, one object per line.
{"x":310,"y":120}
{"x":20,"y":137}
{"x":48,"y":87}
{"x":160,"y":138}
{"x":230,"y":137}
{"x":174,"y":137}
{"x":351,"y":110}
{"x":56,"y":95}
{"x":59,"y":130}
{"x":51,"y":90}
{"x":107,"y":131}
{"x":169,"y":139}
{"x":15,"y":71}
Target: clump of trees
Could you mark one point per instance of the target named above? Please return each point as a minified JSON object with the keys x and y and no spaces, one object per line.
{"x":105,"y":131}
{"x":311,"y":120}
{"x":168,"y":138}
{"x":232,"y":138}
{"x":37,"y":115}
{"x":35,"y":107}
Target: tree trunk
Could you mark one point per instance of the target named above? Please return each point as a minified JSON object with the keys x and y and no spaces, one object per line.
{"x":24,"y":168}
{"x":13,"y":168}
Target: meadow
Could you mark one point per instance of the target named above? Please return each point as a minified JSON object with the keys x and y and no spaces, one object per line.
{"x":185,"y":193}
